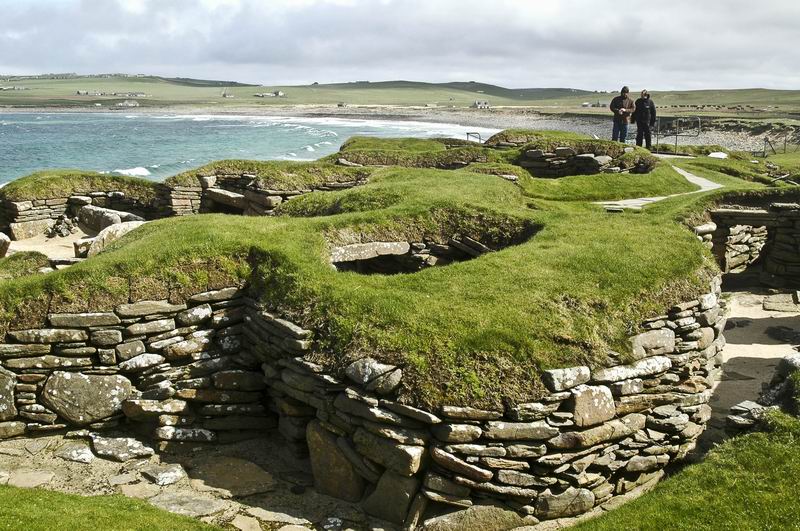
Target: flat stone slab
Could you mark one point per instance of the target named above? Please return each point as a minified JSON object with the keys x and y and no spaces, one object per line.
{"x":187,"y":503}
{"x":78,"y":452}
{"x":164,"y":474}
{"x":365,"y":251}
{"x":231,"y":199}
{"x":782,"y":302}
{"x":120,"y":448}
{"x":140,"y":491}
{"x":237,"y":476}
{"x":29,"y":479}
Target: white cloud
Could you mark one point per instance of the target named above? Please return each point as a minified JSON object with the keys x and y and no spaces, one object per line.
{"x":578,"y":43}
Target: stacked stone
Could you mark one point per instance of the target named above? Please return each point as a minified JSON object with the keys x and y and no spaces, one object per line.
{"x":783,"y":255}
{"x":179,"y":369}
{"x":597,"y":434}
{"x":564,"y":161}
{"x":185,"y":200}
{"x":705,"y":233}
{"x":26,"y":219}
{"x":404,"y":257}
{"x":740,"y":236}
{"x":188,"y":372}
{"x":293,"y":383}
{"x":226,"y":192}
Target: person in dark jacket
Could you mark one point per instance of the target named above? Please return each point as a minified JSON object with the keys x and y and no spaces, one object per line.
{"x":622,"y":107}
{"x":645,"y":116}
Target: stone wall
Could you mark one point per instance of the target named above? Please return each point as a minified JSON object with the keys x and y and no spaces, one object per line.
{"x":176,"y":371}
{"x":221,"y":367}
{"x":241,"y":194}
{"x":769,"y":236}
{"x":598,"y":433}
{"x":782,"y":262}
{"x":565,"y":161}
{"x":25,"y":219}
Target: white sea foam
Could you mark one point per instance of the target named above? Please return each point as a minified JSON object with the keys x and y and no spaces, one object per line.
{"x":134,"y":172}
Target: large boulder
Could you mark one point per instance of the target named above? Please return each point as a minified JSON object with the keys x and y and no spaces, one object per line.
{"x":85,"y":398}
{"x":110,"y":234}
{"x":98,"y":218}
{"x":392,"y":497}
{"x":334,"y":475}
{"x":5,"y":243}
{"x":29,"y":229}
{"x":8,"y":409}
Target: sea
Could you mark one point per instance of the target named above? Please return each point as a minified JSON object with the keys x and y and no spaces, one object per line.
{"x":157,"y":146}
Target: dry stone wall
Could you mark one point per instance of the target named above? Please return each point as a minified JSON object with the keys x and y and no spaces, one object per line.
{"x":177,"y":371}
{"x":738,"y":236}
{"x":598,"y":434}
{"x":221,"y":367}
{"x":565,"y":161}
{"x":25,"y":219}
{"x":241,"y":194}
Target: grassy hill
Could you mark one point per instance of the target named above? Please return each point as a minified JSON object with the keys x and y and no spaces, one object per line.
{"x":168,"y":92}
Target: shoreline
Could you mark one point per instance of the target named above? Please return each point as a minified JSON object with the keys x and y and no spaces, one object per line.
{"x":495,"y":118}
{"x":498,"y":118}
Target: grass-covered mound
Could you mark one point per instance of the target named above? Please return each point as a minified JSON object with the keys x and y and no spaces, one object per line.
{"x":416,"y":153}
{"x":22,"y":264}
{"x":274,"y":175}
{"x":42,"y":510}
{"x":470,"y":333}
{"x":747,"y":483}
{"x":64,"y":183}
{"x":474,"y":332}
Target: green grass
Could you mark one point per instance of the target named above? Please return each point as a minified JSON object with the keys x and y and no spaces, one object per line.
{"x":608,"y":186}
{"x":64,"y":183}
{"x":418,"y":153}
{"x":750,"y":103}
{"x":35,"y":509}
{"x":22,"y":264}
{"x":274,"y":175}
{"x":746,"y":483}
{"x":570,"y":283}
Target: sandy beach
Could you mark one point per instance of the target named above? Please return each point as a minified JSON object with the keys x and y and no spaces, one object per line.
{"x":598,"y":126}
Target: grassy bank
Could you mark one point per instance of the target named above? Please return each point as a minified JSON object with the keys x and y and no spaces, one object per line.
{"x":64,"y":183}
{"x":42,"y":510}
{"x":568,"y":282}
{"x":747,"y":483}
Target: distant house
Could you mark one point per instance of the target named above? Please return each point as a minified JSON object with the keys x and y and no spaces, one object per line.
{"x":128,"y":103}
{"x":276,"y":94}
{"x":481,"y":104}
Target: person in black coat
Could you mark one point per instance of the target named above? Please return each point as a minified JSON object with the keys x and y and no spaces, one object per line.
{"x":645,"y":116}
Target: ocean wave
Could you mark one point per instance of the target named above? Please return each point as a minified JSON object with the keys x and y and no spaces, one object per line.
{"x":134,"y":172}
{"x":309,"y":148}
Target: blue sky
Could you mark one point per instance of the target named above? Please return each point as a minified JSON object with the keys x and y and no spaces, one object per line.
{"x":516,"y":43}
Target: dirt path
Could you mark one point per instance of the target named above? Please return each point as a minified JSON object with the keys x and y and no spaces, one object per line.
{"x":750,"y":356}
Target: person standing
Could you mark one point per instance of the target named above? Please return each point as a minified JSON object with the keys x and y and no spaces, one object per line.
{"x":622,"y":107}
{"x":645,"y":116}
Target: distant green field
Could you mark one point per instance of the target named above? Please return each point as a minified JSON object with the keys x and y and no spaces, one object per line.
{"x":160,"y":92}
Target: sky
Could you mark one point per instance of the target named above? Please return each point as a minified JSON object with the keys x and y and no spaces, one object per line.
{"x":594,"y":45}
